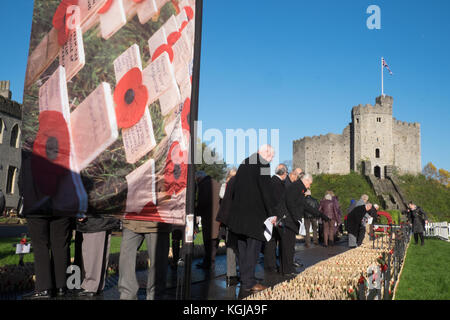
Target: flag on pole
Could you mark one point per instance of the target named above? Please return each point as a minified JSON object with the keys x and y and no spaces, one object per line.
{"x":386,"y":66}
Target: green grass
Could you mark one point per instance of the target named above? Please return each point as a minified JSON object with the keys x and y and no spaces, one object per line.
{"x":431,"y":195}
{"x":425,"y":274}
{"x":346,"y":187}
{"x":8,"y":256}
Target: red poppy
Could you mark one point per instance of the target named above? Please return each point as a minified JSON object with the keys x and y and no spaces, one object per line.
{"x":105,"y":7}
{"x":23,"y":241}
{"x":183,"y":25}
{"x":185,"y":115}
{"x":361,"y":280}
{"x":385,"y":267}
{"x":60,"y":20}
{"x":51,"y":152}
{"x":161,"y":49}
{"x":173,"y":37}
{"x":131,"y":98}
{"x":189,"y":12}
{"x":175,"y":172}
{"x":150,"y":209}
{"x":138,"y":1}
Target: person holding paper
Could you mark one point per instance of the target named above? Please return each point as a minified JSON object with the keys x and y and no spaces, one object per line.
{"x":251,"y":206}
{"x":418,"y":218}
{"x":354,"y":224}
{"x":310,"y":220}
{"x":295,"y":206}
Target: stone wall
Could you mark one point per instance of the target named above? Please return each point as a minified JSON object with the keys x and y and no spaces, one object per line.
{"x":373,"y":136}
{"x":406,"y":141}
{"x":10,"y":156}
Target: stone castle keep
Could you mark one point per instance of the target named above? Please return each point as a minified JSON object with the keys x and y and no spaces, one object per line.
{"x":373,"y":137}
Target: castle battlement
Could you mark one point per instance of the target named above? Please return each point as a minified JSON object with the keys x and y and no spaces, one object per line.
{"x":372,"y":134}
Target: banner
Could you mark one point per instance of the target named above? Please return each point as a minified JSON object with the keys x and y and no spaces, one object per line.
{"x":107,"y":106}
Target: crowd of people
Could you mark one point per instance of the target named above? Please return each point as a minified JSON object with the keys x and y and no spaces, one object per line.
{"x":239,"y":211}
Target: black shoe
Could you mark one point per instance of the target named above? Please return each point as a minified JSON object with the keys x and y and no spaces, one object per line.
{"x":290,"y":275}
{"x":232,"y":281}
{"x":87,"y":294}
{"x":61,"y":292}
{"x":39,"y":295}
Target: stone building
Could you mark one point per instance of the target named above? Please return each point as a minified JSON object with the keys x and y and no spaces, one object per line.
{"x":10,"y":145}
{"x":373,"y":137}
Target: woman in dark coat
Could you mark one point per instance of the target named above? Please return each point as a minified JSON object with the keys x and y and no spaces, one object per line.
{"x":418,"y":218}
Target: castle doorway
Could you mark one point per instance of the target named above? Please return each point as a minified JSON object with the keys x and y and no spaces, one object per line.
{"x":377,"y":172}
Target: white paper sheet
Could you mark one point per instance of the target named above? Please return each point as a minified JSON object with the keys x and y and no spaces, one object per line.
{"x":269,"y":228}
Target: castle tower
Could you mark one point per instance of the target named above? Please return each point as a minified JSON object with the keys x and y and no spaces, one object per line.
{"x":5,"y":89}
{"x":371,"y":136}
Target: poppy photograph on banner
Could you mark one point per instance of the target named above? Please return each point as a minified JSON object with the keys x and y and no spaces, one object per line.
{"x":106,"y":108}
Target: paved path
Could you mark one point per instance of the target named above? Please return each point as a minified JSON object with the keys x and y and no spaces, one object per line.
{"x":211,"y":285}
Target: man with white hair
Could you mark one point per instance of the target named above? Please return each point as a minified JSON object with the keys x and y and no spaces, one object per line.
{"x":252,"y":204}
{"x":293,"y":176}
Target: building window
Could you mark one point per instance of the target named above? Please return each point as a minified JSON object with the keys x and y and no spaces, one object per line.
{"x":11,"y":182}
{"x":377,"y":153}
{"x":2,"y":128}
{"x":318,"y":165}
{"x":15,"y":136}
{"x":357,"y":120}
{"x":378,"y":119}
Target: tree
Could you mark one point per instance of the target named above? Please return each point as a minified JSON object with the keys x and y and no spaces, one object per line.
{"x":217,"y":169}
{"x":444,"y":177}
{"x":430,"y":171}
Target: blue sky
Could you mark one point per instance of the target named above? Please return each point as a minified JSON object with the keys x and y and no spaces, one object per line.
{"x":300,"y":66}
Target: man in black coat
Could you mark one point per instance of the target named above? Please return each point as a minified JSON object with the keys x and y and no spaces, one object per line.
{"x":270,"y":248}
{"x":354,"y":222}
{"x":294,"y":210}
{"x":251,"y":206}
{"x":418,"y":218}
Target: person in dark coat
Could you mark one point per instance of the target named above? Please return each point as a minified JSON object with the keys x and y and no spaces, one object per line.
{"x":231,"y":243}
{"x":250,"y":208}
{"x":418,"y":218}
{"x":354,"y":222}
{"x":327,"y":206}
{"x":207,"y":208}
{"x":292,"y":177}
{"x":311,"y":220}
{"x":270,"y":248}
{"x":292,"y":209}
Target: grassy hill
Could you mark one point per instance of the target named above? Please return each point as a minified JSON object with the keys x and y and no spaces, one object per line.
{"x":346,"y":187}
{"x":431,"y":195}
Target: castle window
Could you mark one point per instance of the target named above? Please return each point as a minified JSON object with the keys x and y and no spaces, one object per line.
{"x":377,"y":153}
{"x":318,"y":165}
{"x":378,"y":119}
{"x":357,"y":120}
{"x":15,"y":137}
{"x":10,"y":183}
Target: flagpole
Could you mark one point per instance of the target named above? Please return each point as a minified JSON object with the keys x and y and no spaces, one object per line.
{"x":382,"y":84}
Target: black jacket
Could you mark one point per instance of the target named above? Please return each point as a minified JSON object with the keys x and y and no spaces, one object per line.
{"x":98,"y":223}
{"x":294,"y":207}
{"x":354,"y":219}
{"x":225,"y":204}
{"x":312,"y":203}
{"x":252,"y":198}
{"x":417,"y":217}
{"x":278,"y":188}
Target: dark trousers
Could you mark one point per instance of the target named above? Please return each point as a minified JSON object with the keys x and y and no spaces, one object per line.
{"x":248,"y":252}
{"x":270,"y":251}
{"x":416,"y":238}
{"x":51,"y":246}
{"x":287,"y":246}
{"x":361,"y":235}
